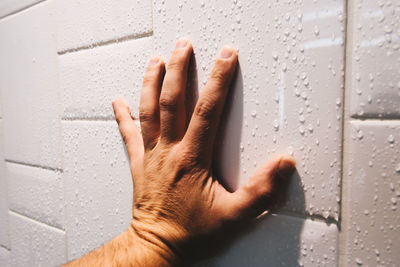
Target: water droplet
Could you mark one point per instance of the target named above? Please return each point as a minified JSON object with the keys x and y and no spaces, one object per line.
{"x":391,"y":139}
{"x":276,"y":125}
{"x":387,"y":29}
{"x":301,"y":130}
{"x":360,"y":134}
{"x":398,"y":168}
{"x":284,"y":67}
{"x":275,"y":55}
{"x":316,"y":30}
{"x":359,"y":261}
{"x":254,"y":113}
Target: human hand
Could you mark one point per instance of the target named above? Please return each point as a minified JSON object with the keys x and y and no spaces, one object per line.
{"x":177,"y":198}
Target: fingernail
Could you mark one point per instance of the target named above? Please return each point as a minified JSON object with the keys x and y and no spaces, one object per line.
{"x":181,"y":43}
{"x":287,"y":166}
{"x":154,"y":61}
{"x":226,"y":52}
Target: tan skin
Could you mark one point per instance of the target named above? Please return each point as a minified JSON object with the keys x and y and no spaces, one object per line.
{"x":178,"y":202}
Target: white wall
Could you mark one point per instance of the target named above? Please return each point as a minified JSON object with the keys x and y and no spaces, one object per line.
{"x":318,"y":79}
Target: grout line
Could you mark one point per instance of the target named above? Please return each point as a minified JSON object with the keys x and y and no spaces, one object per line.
{"x":6,"y":248}
{"x":152,"y":16}
{"x":20,"y":10}
{"x":105,"y":43}
{"x":33,"y":165}
{"x":35,"y":221}
{"x":88,"y":119}
{"x":314,"y":217}
{"x":341,"y":247}
{"x":344,"y":103}
{"x":372,"y":118}
{"x":38,"y":220}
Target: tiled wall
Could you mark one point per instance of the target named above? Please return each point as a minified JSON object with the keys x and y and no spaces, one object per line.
{"x":371,"y":175}
{"x":318,"y":79}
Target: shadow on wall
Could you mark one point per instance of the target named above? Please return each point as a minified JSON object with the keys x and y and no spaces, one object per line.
{"x":272,"y":239}
{"x":227,"y":146}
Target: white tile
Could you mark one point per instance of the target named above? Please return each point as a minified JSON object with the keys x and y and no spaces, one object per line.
{"x":87,"y":23}
{"x":4,"y":257}
{"x":4,"y":234}
{"x":35,"y":244}
{"x":36,"y":193}
{"x":1,"y":113}
{"x":374,"y":59}
{"x":12,"y":6}
{"x":288,"y":93}
{"x":98,"y":186}
{"x":280,"y":240}
{"x":374,"y":194}
{"x":28,"y":87}
{"x":91,"y":79}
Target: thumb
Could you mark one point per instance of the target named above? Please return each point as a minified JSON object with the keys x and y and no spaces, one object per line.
{"x":263,"y":189}
{"x":129,"y":131}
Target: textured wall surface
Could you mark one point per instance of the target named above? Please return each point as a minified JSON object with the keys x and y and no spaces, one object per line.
{"x":317,"y":79}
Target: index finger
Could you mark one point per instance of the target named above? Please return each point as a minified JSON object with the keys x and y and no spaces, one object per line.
{"x":204,"y":123}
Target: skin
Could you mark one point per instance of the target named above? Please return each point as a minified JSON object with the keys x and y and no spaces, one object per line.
{"x":178,"y":203}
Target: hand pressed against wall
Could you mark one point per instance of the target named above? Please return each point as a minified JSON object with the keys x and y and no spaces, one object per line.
{"x":177,"y":200}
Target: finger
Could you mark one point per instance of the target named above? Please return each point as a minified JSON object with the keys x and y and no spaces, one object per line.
{"x":172,"y":98}
{"x":149,"y":112}
{"x":205,"y":119}
{"x":129,"y":131}
{"x":261,"y":192}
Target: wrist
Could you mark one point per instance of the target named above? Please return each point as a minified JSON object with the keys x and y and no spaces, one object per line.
{"x":150,"y":249}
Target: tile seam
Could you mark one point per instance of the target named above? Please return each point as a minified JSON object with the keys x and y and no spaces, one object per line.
{"x":15,"y":12}
{"x":360,"y":118}
{"x":6,"y":248}
{"x":106,"y":43}
{"x":344,"y":103}
{"x":36,"y":221}
{"x":342,"y":236}
{"x":315,"y":217}
{"x":33,"y":165}
{"x":376,"y":121}
{"x":58,"y":226}
{"x":88,"y":119}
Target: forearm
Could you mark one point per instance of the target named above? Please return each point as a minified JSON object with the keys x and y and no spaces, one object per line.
{"x":128,"y":249}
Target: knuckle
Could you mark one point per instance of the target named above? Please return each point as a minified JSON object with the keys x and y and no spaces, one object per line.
{"x":118,"y":119}
{"x":148,"y":79}
{"x":188,"y":161}
{"x":206,"y":108}
{"x":151,"y":75}
{"x":178,"y":61}
{"x":168,"y":103}
{"x":125,"y":137}
{"x":218,"y":78}
{"x":146,"y":114}
{"x":266,"y":191}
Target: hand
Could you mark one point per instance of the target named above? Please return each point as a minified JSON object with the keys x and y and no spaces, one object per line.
{"x":177,"y":199}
